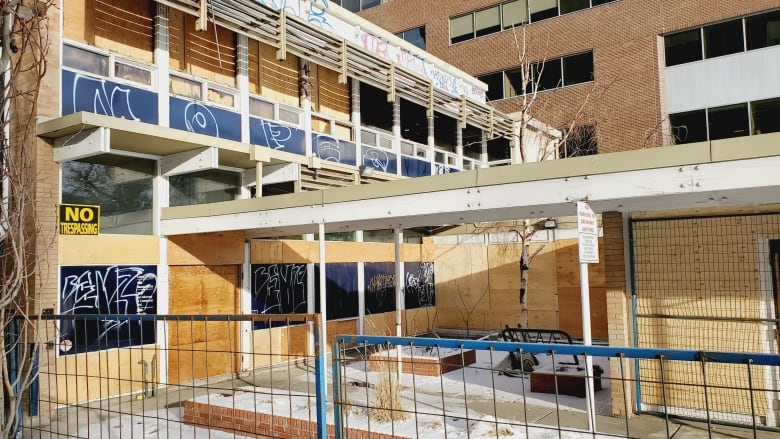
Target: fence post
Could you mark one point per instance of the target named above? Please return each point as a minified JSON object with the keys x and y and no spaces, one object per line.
{"x":337,"y":403}
{"x":320,"y":345}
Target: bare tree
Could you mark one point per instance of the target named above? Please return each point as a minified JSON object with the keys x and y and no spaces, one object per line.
{"x":538,"y":141}
{"x":24,"y":45}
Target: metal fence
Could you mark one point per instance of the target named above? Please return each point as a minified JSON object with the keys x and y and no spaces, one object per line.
{"x":269,"y":380}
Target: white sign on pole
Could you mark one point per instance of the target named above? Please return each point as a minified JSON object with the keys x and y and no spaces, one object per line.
{"x":588,"y":234}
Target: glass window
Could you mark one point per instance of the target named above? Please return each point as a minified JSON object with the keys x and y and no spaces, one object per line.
{"x":514,"y":84}
{"x":683,"y":47}
{"x":766,"y":116}
{"x":461,"y":28}
{"x":378,"y":113}
{"x":415,"y":36}
{"x":222,"y":97}
{"x":85,"y":60}
{"x":121,"y":186}
{"x":573,"y":5}
{"x":543,"y":9}
{"x":499,"y":149}
{"x":260,"y":108}
{"x":578,"y":68}
{"x":472,"y":142}
{"x":203,"y":187}
{"x":547,"y":75}
{"x":514,"y":13}
{"x":579,"y":141}
{"x":444,"y":131}
{"x":688,"y":127}
{"x":132,"y":73}
{"x":370,"y":3}
{"x":728,"y":121}
{"x":351,"y":5}
{"x":414,"y":122}
{"x":487,"y":21}
{"x":495,"y":83}
{"x":186,"y":87}
{"x":723,"y":38}
{"x":600,"y":2}
{"x":289,"y":116}
{"x":763,"y":30}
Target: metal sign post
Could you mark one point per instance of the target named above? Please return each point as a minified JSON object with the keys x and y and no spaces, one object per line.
{"x":588,"y":236}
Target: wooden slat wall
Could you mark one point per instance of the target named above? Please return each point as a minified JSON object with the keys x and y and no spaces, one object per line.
{"x":210,"y":54}
{"x":125,"y":27}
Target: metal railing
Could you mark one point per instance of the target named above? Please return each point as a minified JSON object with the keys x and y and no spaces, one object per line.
{"x":266,"y":375}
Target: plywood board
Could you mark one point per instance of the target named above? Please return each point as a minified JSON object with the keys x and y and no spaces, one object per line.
{"x":221,"y":248}
{"x":420,"y":320}
{"x":113,"y":372}
{"x":571,"y":311}
{"x":332,"y":98}
{"x":125,"y":27}
{"x":79,"y":20}
{"x":278,"y":79}
{"x":108,"y":249}
{"x":301,"y":252}
{"x":209,"y":54}
{"x":202,"y":290}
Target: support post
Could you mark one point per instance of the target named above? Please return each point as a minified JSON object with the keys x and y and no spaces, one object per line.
{"x":399,"y":281}
{"x":322,"y":348}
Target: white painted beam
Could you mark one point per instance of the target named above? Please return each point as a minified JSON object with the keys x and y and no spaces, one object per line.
{"x":83,"y":144}
{"x":751,"y":181}
{"x":280,"y":173}
{"x":190,"y":161}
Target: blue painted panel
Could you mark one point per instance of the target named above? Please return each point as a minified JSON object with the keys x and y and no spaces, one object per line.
{"x":440,"y":169}
{"x":81,"y":92}
{"x":341,"y":286}
{"x":101,"y":289}
{"x":334,"y":150}
{"x":198,"y":118}
{"x":379,"y":287}
{"x":419,"y":285}
{"x":380,"y":159}
{"x":276,"y":136}
{"x":412,"y":167}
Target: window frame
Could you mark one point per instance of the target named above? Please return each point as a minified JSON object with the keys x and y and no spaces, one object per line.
{"x":112,"y":59}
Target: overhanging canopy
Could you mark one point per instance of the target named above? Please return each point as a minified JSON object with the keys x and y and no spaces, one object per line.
{"x":740,"y":171}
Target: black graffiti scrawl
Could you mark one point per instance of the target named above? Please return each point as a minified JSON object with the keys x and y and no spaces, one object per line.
{"x":103,"y":289}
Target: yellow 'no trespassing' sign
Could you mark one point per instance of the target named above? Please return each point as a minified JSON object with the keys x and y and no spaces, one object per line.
{"x":79,"y":219}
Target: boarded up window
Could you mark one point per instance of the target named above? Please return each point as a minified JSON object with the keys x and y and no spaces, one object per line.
{"x":332,"y":98}
{"x":278,"y":79}
{"x":210,"y":54}
{"x":125,"y":27}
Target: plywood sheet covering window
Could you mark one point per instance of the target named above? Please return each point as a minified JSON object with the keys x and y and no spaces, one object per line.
{"x":254,"y":66}
{"x":569,"y":290}
{"x":709,"y":277}
{"x":202,"y":349}
{"x":125,"y":27}
{"x":328,"y":96}
{"x":278,"y":79}
{"x":210,"y":54}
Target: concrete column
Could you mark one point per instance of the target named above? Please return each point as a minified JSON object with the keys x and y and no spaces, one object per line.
{"x":161,"y":45}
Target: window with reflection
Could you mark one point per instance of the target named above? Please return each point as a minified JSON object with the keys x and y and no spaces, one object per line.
{"x":121,"y":186}
{"x":210,"y":186}
{"x":88,"y":61}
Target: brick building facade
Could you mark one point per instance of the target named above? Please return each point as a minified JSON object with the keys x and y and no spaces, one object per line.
{"x":626,"y":100}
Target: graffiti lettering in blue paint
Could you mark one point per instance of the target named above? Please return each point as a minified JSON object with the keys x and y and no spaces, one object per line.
{"x":379,"y":159}
{"x":196,"y":117}
{"x":313,"y":13}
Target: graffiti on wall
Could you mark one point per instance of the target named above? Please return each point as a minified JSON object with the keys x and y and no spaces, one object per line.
{"x":279,"y":288}
{"x":379,"y":287}
{"x":342,"y":290}
{"x":202,"y":119}
{"x":99,"y":289}
{"x":334,"y":150}
{"x":419,"y":285}
{"x":276,"y":136}
{"x":101,"y":96}
{"x":379,"y":159}
{"x":313,"y":11}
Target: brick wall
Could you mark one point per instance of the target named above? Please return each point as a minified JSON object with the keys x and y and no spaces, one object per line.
{"x":617,"y":307}
{"x":625,"y":99}
{"x":263,"y":424}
